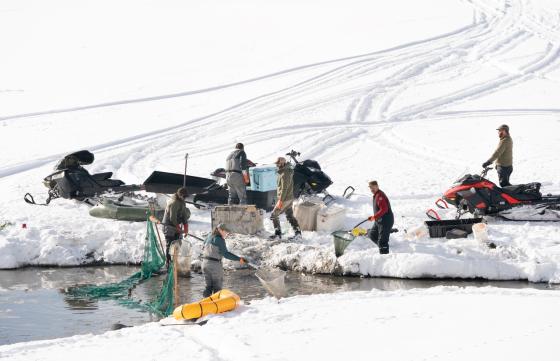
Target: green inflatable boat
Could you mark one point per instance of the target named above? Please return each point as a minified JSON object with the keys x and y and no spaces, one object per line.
{"x":112,"y":209}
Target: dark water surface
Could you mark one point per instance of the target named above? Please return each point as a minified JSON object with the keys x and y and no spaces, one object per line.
{"x":34,"y":305}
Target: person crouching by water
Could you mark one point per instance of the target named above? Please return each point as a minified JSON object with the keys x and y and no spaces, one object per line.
{"x":214,"y":250}
{"x":176,"y":214}
{"x":383,"y":218}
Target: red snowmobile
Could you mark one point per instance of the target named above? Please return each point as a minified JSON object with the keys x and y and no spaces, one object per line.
{"x":523,"y":202}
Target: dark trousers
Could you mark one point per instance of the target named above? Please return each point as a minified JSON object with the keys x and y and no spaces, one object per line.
{"x":169,"y":240}
{"x":380,"y":232}
{"x":213,"y":275}
{"x":503,"y":175}
{"x":287,"y":209}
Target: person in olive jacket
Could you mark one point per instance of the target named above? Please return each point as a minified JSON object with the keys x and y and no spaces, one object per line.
{"x":285,"y":198}
{"x":503,"y":156}
{"x":176,"y":214}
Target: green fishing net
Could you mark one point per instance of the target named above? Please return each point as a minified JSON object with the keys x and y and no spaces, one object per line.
{"x":152,"y":262}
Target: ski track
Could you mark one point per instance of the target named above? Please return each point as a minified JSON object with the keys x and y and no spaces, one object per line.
{"x":499,"y":33}
{"x":499,"y":30}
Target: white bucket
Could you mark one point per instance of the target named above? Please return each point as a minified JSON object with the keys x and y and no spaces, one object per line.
{"x":417,"y":233}
{"x":480,"y":231}
{"x":183,"y":259}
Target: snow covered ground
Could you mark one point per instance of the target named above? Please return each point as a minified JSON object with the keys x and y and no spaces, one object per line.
{"x":405,"y":92}
{"x":408,"y":93}
{"x":445,"y":323}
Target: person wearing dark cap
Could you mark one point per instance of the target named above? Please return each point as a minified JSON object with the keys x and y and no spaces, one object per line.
{"x":176,"y":214}
{"x":383,"y":218}
{"x":503,"y":156}
{"x":213,"y":251}
{"x":285,"y":199}
{"x":237,"y":175}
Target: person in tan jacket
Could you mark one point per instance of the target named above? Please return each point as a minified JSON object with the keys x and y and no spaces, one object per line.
{"x":503,"y":155}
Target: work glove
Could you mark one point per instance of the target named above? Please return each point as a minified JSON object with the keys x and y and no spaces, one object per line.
{"x":242,"y":260}
{"x":371,"y":218}
{"x":359,"y":232}
{"x":486,"y":164}
{"x":246,"y":178}
{"x":279,"y":204}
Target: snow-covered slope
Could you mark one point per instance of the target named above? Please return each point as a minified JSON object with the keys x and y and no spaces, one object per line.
{"x":407,"y":93}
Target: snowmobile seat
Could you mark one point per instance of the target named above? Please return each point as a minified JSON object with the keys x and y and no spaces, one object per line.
{"x":102,"y":176}
{"x":524,"y":192}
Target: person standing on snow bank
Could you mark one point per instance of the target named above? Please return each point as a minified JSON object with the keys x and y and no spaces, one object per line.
{"x":176,"y":213}
{"x":285,"y":196}
{"x":383,"y":218}
{"x":214,"y":250}
{"x":503,"y":156}
{"x":237,"y":176}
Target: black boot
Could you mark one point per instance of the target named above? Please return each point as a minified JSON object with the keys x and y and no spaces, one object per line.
{"x":277,"y":235}
{"x":296,"y":236}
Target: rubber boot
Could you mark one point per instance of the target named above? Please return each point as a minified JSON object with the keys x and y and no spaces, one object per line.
{"x":277,"y":235}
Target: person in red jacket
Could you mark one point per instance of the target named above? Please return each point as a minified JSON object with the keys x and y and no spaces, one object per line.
{"x":382,"y":217}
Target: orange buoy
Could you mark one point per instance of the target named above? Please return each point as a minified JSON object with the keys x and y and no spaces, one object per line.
{"x":222,"y":301}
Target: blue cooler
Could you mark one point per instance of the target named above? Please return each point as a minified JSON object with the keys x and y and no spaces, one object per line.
{"x":263,"y":178}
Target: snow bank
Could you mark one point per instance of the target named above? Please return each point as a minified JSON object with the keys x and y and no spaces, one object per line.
{"x":464,"y":323}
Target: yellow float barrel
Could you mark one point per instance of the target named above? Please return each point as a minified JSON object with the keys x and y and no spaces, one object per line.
{"x":222,"y":301}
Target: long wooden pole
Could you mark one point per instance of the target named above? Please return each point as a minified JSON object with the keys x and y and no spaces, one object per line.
{"x":175,"y":278}
{"x":185,"y":173}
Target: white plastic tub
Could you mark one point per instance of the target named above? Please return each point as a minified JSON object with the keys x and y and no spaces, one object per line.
{"x":330,"y":219}
{"x":306,"y":215}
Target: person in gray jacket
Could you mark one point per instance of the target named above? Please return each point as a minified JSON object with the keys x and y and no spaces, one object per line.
{"x":212,"y":253}
{"x":237,"y":175}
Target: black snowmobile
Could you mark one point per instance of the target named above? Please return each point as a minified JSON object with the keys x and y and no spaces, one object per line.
{"x":72,"y":181}
{"x":309,"y":179}
{"x":523,"y":202}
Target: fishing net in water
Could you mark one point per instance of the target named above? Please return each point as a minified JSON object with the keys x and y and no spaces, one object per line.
{"x":152,"y":262}
{"x":273,"y":281}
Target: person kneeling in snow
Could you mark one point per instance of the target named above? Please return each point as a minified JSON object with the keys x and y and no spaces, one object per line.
{"x":214,"y":250}
{"x":383,"y":218}
{"x":176,"y":213}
